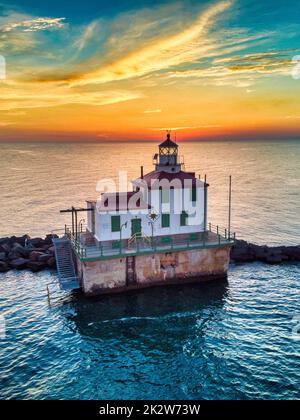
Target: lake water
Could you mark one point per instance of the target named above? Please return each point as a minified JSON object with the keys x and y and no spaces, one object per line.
{"x":238,"y":339}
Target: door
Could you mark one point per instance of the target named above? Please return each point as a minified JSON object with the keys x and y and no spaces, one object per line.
{"x":136,"y":226}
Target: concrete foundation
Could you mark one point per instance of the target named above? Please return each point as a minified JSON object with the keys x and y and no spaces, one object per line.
{"x":134,"y":272}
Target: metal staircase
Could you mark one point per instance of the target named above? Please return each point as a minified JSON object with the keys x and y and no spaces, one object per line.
{"x":65,"y":264}
{"x":132,"y":240}
{"x":139,"y":236}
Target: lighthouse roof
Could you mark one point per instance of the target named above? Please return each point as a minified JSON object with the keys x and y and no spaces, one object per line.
{"x":121,"y":201}
{"x":154,"y":179}
{"x":168,"y":142}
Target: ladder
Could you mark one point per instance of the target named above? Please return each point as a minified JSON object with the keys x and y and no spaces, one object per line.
{"x":130,"y":271}
{"x":65,"y":264}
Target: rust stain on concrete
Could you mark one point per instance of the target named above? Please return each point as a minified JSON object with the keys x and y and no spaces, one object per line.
{"x":98,"y":276}
{"x":107,"y":274}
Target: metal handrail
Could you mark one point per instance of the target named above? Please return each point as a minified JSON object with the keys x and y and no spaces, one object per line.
{"x":154,"y":243}
{"x":217,"y":229}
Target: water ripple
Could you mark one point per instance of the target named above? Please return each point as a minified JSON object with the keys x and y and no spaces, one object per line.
{"x":216,"y":341}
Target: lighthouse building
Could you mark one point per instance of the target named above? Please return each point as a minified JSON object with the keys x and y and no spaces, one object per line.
{"x":155,"y":234}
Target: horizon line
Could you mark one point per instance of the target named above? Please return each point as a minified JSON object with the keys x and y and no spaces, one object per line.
{"x":125,"y":140}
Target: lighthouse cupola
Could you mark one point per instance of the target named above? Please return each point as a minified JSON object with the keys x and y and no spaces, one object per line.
{"x":167,"y":159}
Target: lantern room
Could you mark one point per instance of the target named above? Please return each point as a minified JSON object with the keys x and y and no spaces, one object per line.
{"x":167,"y":159}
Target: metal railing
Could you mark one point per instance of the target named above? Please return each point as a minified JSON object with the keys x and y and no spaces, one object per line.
{"x":156,"y":160}
{"x":213,"y":237}
{"x":80,"y":249}
{"x":227,"y":234}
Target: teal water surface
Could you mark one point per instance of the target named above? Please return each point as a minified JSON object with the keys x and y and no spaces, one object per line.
{"x":230,"y":340}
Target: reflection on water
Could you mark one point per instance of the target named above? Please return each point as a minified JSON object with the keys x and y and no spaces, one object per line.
{"x":128,"y":314}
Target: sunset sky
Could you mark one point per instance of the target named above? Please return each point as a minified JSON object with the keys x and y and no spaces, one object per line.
{"x":111,"y":70}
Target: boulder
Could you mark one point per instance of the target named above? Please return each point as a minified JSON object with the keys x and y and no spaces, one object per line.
{"x":5,"y":247}
{"x":19,"y":263}
{"x":40,"y":249}
{"x":4,"y":240}
{"x":45,"y":247}
{"x":3,"y":256}
{"x":21,"y":250}
{"x":242,"y":252}
{"x":48,"y":239}
{"x":34,"y":255}
{"x":44,"y":257}
{"x":36,"y":265}
{"x":37,"y":242}
{"x":274,"y":255}
{"x":51,"y":250}
{"x":3,"y":267}
{"x":19,"y":239}
{"x":292,"y":253}
{"x":51,"y":262}
{"x":13,"y":255}
{"x":261,"y":252}
{"x":274,"y":258}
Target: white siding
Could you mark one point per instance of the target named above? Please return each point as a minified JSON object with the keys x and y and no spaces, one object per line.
{"x":89,"y":217}
{"x":177,"y":196}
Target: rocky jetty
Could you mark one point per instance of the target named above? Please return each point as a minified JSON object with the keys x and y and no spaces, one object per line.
{"x":37,"y":254}
{"x":243,"y":252}
{"x":24,"y":252}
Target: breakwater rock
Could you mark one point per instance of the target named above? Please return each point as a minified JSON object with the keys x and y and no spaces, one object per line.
{"x":23,"y":252}
{"x":37,"y":254}
{"x":243,"y":252}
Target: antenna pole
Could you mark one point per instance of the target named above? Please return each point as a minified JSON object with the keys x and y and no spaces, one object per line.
{"x":205,"y":203}
{"x":229,"y":208}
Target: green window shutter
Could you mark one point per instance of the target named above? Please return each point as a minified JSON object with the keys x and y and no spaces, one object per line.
{"x":165,"y":220}
{"x":194,"y":194}
{"x":115,"y":223}
{"x":183,"y":218}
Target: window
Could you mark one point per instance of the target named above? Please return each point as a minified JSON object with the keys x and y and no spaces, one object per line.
{"x":165,"y":196}
{"x":115,"y":223}
{"x":165,"y":220}
{"x":194,"y":194}
{"x":183,"y":218}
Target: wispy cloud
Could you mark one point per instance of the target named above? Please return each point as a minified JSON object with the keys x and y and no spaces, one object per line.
{"x":87,"y":34}
{"x":240,"y":70}
{"x":264,"y":56}
{"x":20,"y":33}
{"x":35,"y":24}
{"x":162,"y":54}
{"x":5,"y":124}
{"x":292,"y":117}
{"x":200,"y":44}
{"x":152,"y":111}
{"x":30,"y":96}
